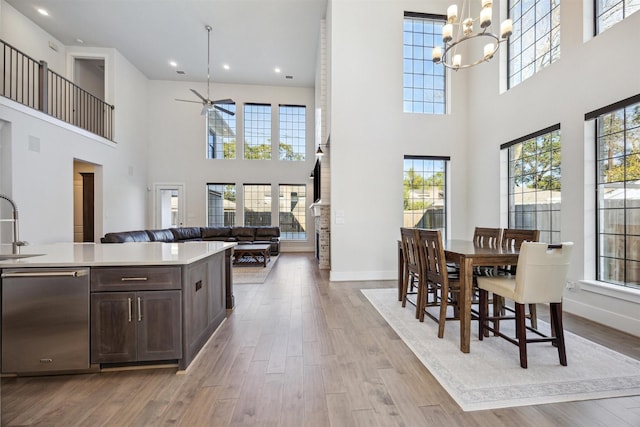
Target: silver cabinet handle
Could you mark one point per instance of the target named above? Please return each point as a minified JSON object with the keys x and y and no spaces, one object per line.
{"x":66,"y":273}
{"x":129,"y":302}
{"x":139,"y":310}
{"x":134,"y":279}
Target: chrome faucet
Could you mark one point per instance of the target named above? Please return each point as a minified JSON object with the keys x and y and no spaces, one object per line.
{"x":16,"y":241}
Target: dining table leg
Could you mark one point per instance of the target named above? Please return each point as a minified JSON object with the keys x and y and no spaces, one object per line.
{"x":466,"y":295}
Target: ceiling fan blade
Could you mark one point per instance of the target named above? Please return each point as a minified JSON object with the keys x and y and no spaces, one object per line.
{"x":224,"y":110}
{"x":205,"y":100}
{"x":204,"y":110}
{"x":188,"y":100}
{"x":223,"y":101}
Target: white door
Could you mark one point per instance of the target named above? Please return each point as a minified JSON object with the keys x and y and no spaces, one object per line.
{"x":169,"y":205}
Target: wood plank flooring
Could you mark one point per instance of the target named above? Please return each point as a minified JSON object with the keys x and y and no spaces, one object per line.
{"x":296,"y":351}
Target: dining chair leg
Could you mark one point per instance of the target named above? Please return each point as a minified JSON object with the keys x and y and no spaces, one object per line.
{"x":405,"y":288}
{"x":498,"y":310}
{"x":558,"y":329}
{"x":521,"y":333}
{"x":444,"y":299}
{"x":423,"y":296}
{"x":533,"y":314}
{"x":482,"y":313}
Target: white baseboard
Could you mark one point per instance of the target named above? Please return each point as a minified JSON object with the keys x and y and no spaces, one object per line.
{"x":358,"y":276}
{"x":605,"y":317}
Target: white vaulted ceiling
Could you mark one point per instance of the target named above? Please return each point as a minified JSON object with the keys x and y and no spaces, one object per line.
{"x":252,"y":36}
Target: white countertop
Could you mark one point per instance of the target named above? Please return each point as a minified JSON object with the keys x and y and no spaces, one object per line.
{"x":112,"y":254}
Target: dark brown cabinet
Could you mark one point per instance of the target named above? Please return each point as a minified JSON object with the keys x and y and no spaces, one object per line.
{"x":136,"y":326}
{"x":133,"y":317}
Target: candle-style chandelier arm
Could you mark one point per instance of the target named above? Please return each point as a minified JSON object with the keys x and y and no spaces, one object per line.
{"x":456,"y":31}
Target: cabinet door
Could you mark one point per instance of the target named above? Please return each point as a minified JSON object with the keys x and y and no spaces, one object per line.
{"x":113,"y":330}
{"x":159,"y":323}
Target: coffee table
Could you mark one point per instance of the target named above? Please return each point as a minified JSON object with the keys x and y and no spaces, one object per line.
{"x":251,"y":254}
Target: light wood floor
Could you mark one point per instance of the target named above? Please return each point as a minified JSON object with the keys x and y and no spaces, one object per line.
{"x":297,"y":351}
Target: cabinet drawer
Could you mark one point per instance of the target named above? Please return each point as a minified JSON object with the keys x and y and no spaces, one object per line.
{"x":134,"y":278}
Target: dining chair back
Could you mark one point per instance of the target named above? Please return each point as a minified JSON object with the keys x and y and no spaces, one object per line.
{"x":542,"y":271}
{"x":512,"y":239}
{"x":436,"y":281}
{"x":411,"y":266}
{"x":540,"y":278}
{"x":487,"y":237}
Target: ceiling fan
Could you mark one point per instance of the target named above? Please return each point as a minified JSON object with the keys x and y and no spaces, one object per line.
{"x":207,"y":103}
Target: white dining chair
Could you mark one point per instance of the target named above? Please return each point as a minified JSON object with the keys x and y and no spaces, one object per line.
{"x":540,"y":278}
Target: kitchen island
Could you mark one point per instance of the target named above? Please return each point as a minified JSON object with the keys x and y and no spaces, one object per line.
{"x":139,"y":304}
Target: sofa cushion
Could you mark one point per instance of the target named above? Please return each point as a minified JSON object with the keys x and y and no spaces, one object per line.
{"x":243,"y":234}
{"x":267,"y":233}
{"x":126,"y":236}
{"x":216,"y":233}
{"x":187,"y":233}
{"x":164,"y":235}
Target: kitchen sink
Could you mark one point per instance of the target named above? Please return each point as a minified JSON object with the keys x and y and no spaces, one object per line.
{"x":8,"y":257}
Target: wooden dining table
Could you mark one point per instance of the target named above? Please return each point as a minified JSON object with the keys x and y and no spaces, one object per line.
{"x":468,"y":255}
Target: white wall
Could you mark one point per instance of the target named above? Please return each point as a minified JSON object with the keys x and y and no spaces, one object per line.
{"x":43,"y":149}
{"x":177,"y":150}
{"x":370,"y":135}
{"x":589,"y":75}
{"x":26,"y":36}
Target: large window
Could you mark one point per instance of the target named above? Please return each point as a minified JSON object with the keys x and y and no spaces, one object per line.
{"x":221,"y":133}
{"x":424,"y":81}
{"x":535,"y":42}
{"x":221,"y":205}
{"x":534,"y":183}
{"x":257,"y":131}
{"x":618,"y":193}
{"x":425,"y":202}
{"x":293,"y":212}
{"x":610,"y":12}
{"x":257,"y":204}
{"x":293,"y":132}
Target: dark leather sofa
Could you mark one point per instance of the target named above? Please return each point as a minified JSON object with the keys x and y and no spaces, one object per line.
{"x":242,"y":235}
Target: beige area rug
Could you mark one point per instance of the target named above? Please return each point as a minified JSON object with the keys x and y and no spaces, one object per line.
{"x":490,"y":375}
{"x":250,"y":274}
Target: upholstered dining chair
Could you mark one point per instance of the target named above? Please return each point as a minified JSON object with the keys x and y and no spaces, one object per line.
{"x":512,"y":239}
{"x":435,"y":279}
{"x":540,"y":278}
{"x":411,"y":277}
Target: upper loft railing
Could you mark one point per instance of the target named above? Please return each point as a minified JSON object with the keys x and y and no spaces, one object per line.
{"x":31,"y":83}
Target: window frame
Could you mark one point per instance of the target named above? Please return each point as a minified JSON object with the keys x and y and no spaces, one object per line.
{"x":426,"y":59}
{"x":302,"y":204}
{"x":600,"y":185}
{"x":596,"y":16}
{"x":552,"y":234}
{"x":267,"y":193}
{"x":224,"y":217}
{"x":518,"y":35}
{"x":267,"y":129}
{"x":213,"y":152}
{"x":422,"y":223}
{"x":298,"y":142}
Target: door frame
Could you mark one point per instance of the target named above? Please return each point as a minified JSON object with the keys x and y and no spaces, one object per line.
{"x":157,"y":188}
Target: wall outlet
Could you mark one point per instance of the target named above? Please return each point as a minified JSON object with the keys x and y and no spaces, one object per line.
{"x":571,"y":285}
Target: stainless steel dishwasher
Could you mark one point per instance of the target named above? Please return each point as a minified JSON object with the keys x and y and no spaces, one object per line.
{"x":45,"y":320}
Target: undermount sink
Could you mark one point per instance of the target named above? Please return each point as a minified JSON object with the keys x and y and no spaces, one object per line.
{"x":7,"y":257}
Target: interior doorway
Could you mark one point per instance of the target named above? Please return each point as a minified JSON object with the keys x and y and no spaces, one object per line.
{"x":88,"y":74}
{"x":168,"y":205}
{"x":84,"y":201}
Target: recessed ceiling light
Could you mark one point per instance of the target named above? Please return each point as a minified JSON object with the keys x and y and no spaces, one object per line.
{"x":226,"y":66}
{"x":277,"y":70}
{"x":42,"y":11}
{"x":173,"y":63}
{"x":80,"y":41}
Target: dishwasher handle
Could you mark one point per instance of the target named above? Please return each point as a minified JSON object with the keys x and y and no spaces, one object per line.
{"x":62,"y":273}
